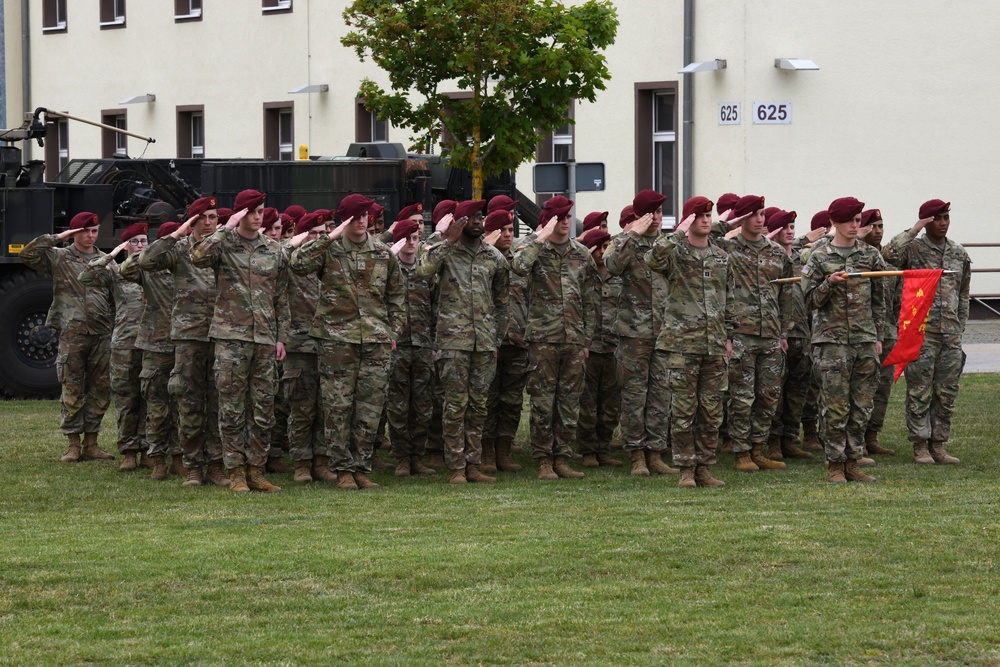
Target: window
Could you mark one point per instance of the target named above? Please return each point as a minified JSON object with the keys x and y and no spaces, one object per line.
{"x":191,"y":131}
{"x":557,"y":147}
{"x":54,"y":16}
{"x":368,"y":126}
{"x":56,"y":147}
{"x":187,"y":10}
{"x":112,"y":14}
{"x":279,"y":131}
{"x":655,"y":143}
{"x":276,"y":6}
{"x":114,"y":144}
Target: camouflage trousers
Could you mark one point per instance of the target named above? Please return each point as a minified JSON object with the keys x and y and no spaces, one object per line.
{"x":506,"y":400}
{"x":465,"y":380}
{"x":810,"y":410}
{"x":787,"y":418}
{"x":193,"y":387}
{"x":83,"y":369}
{"x":410,"y":403}
{"x":245,"y":375}
{"x":881,"y":401}
{"x":279,"y":432}
{"x":687,"y":390}
{"x":555,"y":382}
{"x":638,"y":427}
{"x":352,"y":382}
{"x":161,"y":410}
{"x":300,"y":391}
{"x":756,"y":370}
{"x":848,"y":377}
{"x":435,"y":435}
{"x":932,"y":387}
{"x":600,"y":403}
{"x":130,"y":408}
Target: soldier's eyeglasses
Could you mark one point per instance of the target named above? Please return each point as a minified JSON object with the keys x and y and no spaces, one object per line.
{"x":138,"y":242}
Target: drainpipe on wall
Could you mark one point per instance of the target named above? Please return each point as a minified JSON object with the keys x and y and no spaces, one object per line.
{"x":687,"y":153}
{"x":25,"y":70}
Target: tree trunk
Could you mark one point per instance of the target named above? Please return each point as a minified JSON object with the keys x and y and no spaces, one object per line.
{"x":476,"y":167}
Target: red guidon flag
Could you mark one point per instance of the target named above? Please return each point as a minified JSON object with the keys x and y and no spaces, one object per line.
{"x":919,"y":288}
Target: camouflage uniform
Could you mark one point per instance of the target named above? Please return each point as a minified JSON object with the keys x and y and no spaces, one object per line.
{"x":359,"y":314}
{"x":157,"y":356}
{"x":798,"y":364}
{"x":637,"y":323}
{"x":83,"y":317}
{"x":192,"y":383}
{"x":472,"y":314}
{"x":847,"y":323}
{"x":688,"y":375}
{"x":252,"y":281}
{"x":562,"y":309}
{"x":932,"y":380}
{"x":126,"y":358}
{"x":893,"y":295}
{"x":600,"y":402}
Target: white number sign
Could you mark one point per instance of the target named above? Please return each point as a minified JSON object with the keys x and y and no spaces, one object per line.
{"x":772,"y":113}
{"x":729,"y":113}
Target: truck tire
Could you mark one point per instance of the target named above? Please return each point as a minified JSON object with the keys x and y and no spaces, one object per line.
{"x":27,"y":347}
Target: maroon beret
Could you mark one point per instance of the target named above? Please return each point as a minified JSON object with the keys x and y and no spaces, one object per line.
{"x":769,"y":211}
{"x":167,"y":228}
{"x":225,"y":214}
{"x":821,"y":219}
{"x":844,"y":209}
{"x":135,"y":229}
{"x":726,"y":202}
{"x":696,"y":205}
{"x":308,"y":222}
{"x":647,"y":201}
{"x":748,"y":204}
{"x":287,"y":222}
{"x":627,"y":216}
{"x":781,"y":219}
{"x":326,"y":213}
{"x":270,"y":216}
{"x":249,"y":200}
{"x":498,"y":219}
{"x":199,"y":206}
{"x":354,"y":206}
{"x":934,"y":207}
{"x":467,"y":208}
{"x":375,"y":212}
{"x":501,"y":202}
{"x":404,"y":229}
{"x":595,"y":238}
{"x":556,"y":206}
{"x":295,"y":212}
{"x":443,"y":208}
{"x":412,"y":209}
{"x":870,"y":216}
{"x":84,"y":219}
{"x":594,"y":220}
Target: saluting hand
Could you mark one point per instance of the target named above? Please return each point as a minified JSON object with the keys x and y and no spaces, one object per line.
{"x":235,"y":220}
{"x":686,"y":223}
{"x":442,"y":226}
{"x":545,"y":230}
{"x":864,"y":232}
{"x":338,"y":231}
{"x":772,"y":235}
{"x":921,"y":223}
{"x":184,"y":229}
{"x":121,"y":246}
{"x":455,"y":229}
{"x":493,"y":237}
{"x":397,"y":246}
{"x":816,"y":234}
{"x":62,"y":236}
{"x":738,"y":221}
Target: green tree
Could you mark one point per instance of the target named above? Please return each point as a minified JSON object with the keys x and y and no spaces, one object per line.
{"x":522,"y":61}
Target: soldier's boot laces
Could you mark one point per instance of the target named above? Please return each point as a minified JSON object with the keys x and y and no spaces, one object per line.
{"x":762,"y":461}
{"x":489,"y":459}
{"x":192,"y":477}
{"x":177,"y":466}
{"x":921,"y":454}
{"x":217,"y":474}
{"x":402,"y":467}
{"x":504,"y":462}
{"x":790,"y":449}
{"x":363,"y":482}
{"x":321,"y":471}
{"x":277,"y":464}
{"x":639,"y":468}
{"x":687,"y":480}
{"x":744,"y":462}
{"x":545,"y":471}
{"x":92,"y":451}
{"x":345,"y":480}
{"x":941,"y":456}
{"x":774,"y":448}
{"x":458,"y":476}
{"x":606,"y":461}
{"x":562,"y":469}
{"x":130,"y":462}
{"x":303,"y":471}
{"x":238,"y":480}
{"x":854,"y":473}
{"x":417,"y":466}
{"x":655,"y":463}
{"x":473,"y":474}
{"x":835,"y":472}
{"x":590,"y":461}
{"x":159,"y":472}
{"x":704,"y":478}
{"x":874,"y":446}
{"x":257,"y":482}
{"x":73,"y":451}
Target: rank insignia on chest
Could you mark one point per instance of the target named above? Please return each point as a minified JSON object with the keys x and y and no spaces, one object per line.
{"x":708,"y":273}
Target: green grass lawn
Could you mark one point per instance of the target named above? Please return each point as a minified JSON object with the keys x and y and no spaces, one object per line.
{"x":102,"y":567}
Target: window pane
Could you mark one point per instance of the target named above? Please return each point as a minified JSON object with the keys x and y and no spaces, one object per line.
{"x":380,"y":129}
{"x":562,"y":130}
{"x":121,"y":141}
{"x":195,"y":6}
{"x":663,"y":173}
{"x":197,"y":135}
{"x":560,"y":152}
{"x":285,"y":127}
{"x":663,"y":112}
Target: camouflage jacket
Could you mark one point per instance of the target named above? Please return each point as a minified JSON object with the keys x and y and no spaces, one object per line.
{"x":103,"y":272}
{"x":418,"y":329}
{"x":849,"y":313}
{"x":194,"y":287}
{"x":950,"y":310}
{"x":518,"y":322}
{"x":75,"y":307}
{"x":158,"y":294}
{"x":757,"y":306}
{"x":643,"y":291}
{"x":698,"y":285}
{"x":473,"y":294}
{"x":252,"y":282}
{"x":303,"y":298}
{"x":609,"y":289}
{"x":361,"y":298}
{"x":799,"y":314}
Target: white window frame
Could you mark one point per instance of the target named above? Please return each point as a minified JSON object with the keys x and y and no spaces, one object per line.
{"x":119,"y":12}
{"x":198,"y":118}
{"x":193,"y":11}
{"x":60,"y":23}
{"x":279,"y":6}
{"x":121,"y":140}
{"x":62,"y":132}
{"x":669,"y":220}
{"x":286,"y":151}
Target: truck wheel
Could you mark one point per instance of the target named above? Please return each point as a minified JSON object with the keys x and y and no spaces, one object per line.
{"x":27,"y":347}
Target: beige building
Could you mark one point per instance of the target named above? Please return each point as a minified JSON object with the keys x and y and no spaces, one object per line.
{"x":896,"y":113}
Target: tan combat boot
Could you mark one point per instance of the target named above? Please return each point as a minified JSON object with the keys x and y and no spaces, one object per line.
{"x":159,"y":468}
{"x":91,"y":450}
{"x":192,"y":477}
{"x":774,"y":448}
{"x":257,"y":482}
{"x":790,"y":449}
{"x":639,"y":468}
{"x":379,"y":464}
{"x":607,"y":462}
{"x":458,"y":476}
{"x":921,"y":454}
{"x":72,"y":454}
{"x":939,"y":455}
{"x":144,"y":462}
{"x":472,"y":474}
{"x":545,"y":471}
{"x":687,"y":480}
{"x":762,"y":461}
{"x":489,"y":459}
{"x":562,"y":469}
{"x":217,"y":474}
{"x":435,"y":459}
{"x":238,"y":480}
{"x":810,"y":438}
{"x":417,"y":466}
{"x":504,"y":462}
{"x":363,"y":482}
{"x":321,"y":470}
{"x":854,"y":473}
{"x":177,"y":466}
{"x":303,"y":471}
{"x":590,"y":461}
{"x":835,"y":472}
{"x":345,"y":480}
{"x":874,"y":446}
{"x":744,"y":462}
{"x":704,"y":478}
{"x":866,"y":462}
{"x":655,"y":463}
{"x":402,"y":467}
{"x":276,"y":464}
{"x":130,"y":463}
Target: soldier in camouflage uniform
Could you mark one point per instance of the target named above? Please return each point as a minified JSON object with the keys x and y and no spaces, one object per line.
{"x":688,"y":373}
{"x":442,"y":216}
{"x":562,"y":309}
{"x":473,"y":305}
{"x":358,"y":318}
{"x":637,"y":324}
{"x":157,"y":354}
{"x":848,"y":318}
{"x":192,"y":380}
{"x":83,"y":317}
{"x":932,"y":380}
{"x":126,"y":358}
{"x":600,"y":402}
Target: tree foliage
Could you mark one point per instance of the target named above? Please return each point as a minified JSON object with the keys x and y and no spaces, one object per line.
{"x":520,"y":63}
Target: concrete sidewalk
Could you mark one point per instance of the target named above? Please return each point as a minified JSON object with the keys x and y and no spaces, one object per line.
{"x":982,"y":358}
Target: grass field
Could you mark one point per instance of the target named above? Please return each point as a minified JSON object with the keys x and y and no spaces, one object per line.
{"x":101,"y":567}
